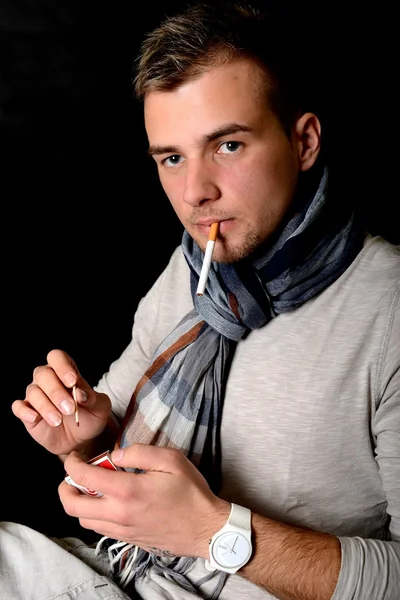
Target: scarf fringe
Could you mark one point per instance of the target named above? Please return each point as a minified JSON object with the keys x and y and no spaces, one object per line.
{"x":128,"y":562}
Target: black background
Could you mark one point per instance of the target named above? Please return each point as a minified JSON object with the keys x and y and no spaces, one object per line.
{"x":79,"y":194}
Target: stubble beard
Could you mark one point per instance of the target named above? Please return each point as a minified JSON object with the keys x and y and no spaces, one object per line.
{"x":226,"y":252}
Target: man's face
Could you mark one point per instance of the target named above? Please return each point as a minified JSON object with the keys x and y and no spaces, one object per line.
{"x":222,"y":155}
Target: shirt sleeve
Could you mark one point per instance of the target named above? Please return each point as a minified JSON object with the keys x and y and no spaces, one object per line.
{"x":371,"y":568}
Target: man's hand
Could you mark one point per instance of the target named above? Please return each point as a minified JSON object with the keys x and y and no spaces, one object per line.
{"x":168,"y":510}
{"x":49,"y":407}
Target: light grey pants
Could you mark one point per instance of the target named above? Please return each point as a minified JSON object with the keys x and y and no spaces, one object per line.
{"x":36,"y":567}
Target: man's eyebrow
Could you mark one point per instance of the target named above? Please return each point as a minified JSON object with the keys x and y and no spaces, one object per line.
{"x":228,"y":129}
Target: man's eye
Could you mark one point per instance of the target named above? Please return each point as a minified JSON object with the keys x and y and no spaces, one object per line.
{"x":229,"y":147}
{"x":172,"y":160}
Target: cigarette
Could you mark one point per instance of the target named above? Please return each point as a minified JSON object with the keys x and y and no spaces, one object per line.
{"x":205,"y":269}
{"x":76,"y":406}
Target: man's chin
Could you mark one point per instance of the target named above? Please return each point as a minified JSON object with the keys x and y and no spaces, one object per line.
{"x":231,"y":255}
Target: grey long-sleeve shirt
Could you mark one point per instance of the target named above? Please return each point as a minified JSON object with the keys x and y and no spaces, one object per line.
{"x":311,"y":418}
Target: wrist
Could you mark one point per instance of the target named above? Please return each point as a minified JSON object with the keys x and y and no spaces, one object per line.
{"x":213,"y":520}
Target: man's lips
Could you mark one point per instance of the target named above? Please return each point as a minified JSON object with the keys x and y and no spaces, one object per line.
{"x":204,"y":225}
{"x":206,"y":222}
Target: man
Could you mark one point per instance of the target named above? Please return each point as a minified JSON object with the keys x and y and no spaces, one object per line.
{"x":262,"y":415}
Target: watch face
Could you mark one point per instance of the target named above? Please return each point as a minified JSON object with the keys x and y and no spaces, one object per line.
{"x":231,"y":549}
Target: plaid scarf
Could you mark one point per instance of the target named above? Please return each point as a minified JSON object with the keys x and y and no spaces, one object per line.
{"x":178,"y":402}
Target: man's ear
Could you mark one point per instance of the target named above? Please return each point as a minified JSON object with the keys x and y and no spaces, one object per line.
{"x":307,"y":136}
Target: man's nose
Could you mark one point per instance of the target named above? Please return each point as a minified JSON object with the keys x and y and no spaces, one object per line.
{"x":200,"y":185}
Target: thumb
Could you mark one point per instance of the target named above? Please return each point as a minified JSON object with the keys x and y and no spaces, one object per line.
{"x":144,"y":457}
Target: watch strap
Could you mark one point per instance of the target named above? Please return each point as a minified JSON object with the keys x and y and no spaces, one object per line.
{"x":240,"y":517}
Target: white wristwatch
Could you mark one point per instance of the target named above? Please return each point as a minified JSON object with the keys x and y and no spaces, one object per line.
{"x":230,"y":547}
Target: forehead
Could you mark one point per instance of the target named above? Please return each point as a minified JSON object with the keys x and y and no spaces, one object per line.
{"x":229,"y":93}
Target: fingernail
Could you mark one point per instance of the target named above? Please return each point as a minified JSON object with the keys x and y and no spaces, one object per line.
{"x":30,"y":417}
{"x":69,"y":379}
{"x":54,"y":419}
{"x":83,"y":395}
{"x":67,"y":407}
{"x":118,"y":455}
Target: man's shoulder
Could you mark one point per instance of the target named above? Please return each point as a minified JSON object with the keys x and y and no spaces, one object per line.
{"x":172,"y":287}
{"x":368,"y":287}
{"x":177,"y":267}
{"x":372,"y":282}
{"x":379,"y":259}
